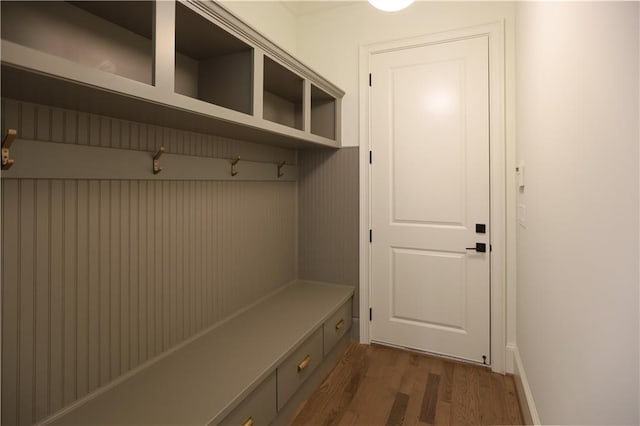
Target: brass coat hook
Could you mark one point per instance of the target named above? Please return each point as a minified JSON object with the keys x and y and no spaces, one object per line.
{"x":6,"y":144}
{"x":156,"y":161}
{"x":280,"y":166}
{"x":233,"y":166}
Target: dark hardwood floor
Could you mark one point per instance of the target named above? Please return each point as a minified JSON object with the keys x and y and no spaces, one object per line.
{"x":376,"y":385}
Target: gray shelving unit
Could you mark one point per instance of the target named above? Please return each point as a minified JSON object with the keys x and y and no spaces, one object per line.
{"x":186,"y":64}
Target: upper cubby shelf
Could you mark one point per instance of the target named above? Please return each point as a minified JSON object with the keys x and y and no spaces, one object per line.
{"x":115,"y":37}
{"x":283,"y":95}
{"x":184,"y":64}
{"x":211,"y":64}
{"x":323,"y":113}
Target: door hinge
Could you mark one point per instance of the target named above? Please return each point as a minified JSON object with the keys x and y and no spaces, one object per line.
{"x":369,"y":79}
{"x":370,"y":235}
{"x":370,"y":157}
{"x":370,"y":314}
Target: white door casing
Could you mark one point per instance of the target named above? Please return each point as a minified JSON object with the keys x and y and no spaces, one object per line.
{"x":441,"y":222}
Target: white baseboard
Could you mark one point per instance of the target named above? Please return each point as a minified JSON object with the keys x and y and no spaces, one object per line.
{"x":509,"y":365}
{"x":525,"y":396}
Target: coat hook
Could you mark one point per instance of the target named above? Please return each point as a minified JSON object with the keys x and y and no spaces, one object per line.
{"x":280,"y":166}
{"x":6,"y":144}
{"x":156,"y":161}
{"x":233,"y":166}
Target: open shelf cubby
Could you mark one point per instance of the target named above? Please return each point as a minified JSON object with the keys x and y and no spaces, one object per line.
{"x":211,"y":64}
{"x":111,"y":36}
{"x":323,"y":113}
{"x":283,"y":95}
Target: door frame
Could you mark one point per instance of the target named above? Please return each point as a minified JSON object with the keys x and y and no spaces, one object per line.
{"x":497,"y":181}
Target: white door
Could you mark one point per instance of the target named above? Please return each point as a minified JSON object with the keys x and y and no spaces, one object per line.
{"x":429,"y":190}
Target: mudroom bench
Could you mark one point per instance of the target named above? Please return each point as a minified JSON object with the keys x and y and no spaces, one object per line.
{"x":242,"y":372}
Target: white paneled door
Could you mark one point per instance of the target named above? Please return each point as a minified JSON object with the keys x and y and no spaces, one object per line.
{"x":430,"y":198}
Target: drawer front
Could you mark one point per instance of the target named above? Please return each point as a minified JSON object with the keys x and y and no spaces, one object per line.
{"x":298,"y":367}
{"x":337,"y":326}
{"x":258,"y":408}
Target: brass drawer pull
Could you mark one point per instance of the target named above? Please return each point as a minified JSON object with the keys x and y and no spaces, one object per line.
{"x":340,"y":324}
{"x":304,"y":363}
{"x":248,"y":422}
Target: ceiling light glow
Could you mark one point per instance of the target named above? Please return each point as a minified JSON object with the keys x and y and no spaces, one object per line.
{"x":390,"y":5}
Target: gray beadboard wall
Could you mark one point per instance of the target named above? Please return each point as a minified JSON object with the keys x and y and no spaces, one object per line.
{"x":100,"y":276}
{"x":328,"y":216}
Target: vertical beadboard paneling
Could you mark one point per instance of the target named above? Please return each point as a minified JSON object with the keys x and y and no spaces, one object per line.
{"x":134,"y":275}
{"x":100,"y":276}
{"x":82,"y":268}
{"x":56,"y":313}
{"x":27,"y":121}
{"x":103,"y":287}
{"x":328,"y":214}
{"x":114,"y":277}
{"x":10,"y":301}
{"x":151,"y":276}
{"x":125,"y":257}
{"x":41,"y":383}
{"x":142,"y":272}
{"x":93,"y":284}
{"x":69,"y":255}
{"x":26,"y":300}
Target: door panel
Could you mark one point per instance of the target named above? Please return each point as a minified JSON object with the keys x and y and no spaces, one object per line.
{"x":428,"y":288}
{"x":428,"y":143}
{"x":430,"y":186}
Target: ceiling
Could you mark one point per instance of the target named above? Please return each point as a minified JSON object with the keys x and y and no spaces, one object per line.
{"x":304,"y":7}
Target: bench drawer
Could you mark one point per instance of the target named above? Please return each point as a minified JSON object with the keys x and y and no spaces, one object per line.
{"x":336,"y":326}
{"x":258,"y":408}
{"x":298,"y":367}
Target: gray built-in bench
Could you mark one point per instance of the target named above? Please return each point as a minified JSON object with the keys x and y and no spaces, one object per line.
{"x":245,"y":371}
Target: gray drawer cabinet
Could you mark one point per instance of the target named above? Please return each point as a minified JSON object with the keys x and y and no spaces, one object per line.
{"x":298,"y":367}
{"x":336,"y":326}
{"x":257,"y":409}
{"x":232,"y":366}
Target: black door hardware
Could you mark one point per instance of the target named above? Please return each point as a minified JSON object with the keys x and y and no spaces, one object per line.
{"x":480,"y":248}
{"x":481,"y":228}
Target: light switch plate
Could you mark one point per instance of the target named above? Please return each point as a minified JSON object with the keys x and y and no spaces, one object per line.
{"x":522,"y":215}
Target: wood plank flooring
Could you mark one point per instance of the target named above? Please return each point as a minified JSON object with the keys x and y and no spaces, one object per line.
{"x":376,"y":385}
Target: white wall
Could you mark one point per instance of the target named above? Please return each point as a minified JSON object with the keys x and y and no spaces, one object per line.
{"x":270,"y":18}
{"x":328,"y":41}
{"x":577,"y":131}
